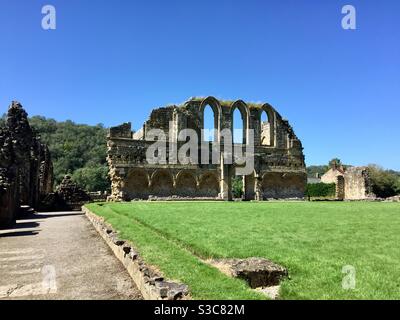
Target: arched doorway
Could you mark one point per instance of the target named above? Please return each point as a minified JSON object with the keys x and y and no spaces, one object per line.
{"x":162,"y":184}
{"x":185,"y":184}
{"x":209,"y":185}
{"x":137,"y":185}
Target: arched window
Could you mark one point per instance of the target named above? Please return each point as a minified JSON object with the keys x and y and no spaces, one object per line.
{"x":266,"y":129}
{"x":238,"y":127}
{"x":209,"y":124}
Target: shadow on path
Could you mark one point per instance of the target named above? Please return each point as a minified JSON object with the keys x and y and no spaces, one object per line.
{"x":23,"y":223}
{"x":26,"y":225}
{"x":19,"y":234}
{"x":47,"y":215}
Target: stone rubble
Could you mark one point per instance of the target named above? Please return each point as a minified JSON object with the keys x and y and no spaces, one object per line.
{"x":68,"y":196}
{"x":258,"y":272}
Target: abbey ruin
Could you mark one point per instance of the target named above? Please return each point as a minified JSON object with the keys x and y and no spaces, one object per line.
{"x":279,"y":167}
{"x":26,"y":170}
{"x":352,"y":183}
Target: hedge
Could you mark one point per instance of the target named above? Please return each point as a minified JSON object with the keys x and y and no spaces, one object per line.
{"x":321,"y":190}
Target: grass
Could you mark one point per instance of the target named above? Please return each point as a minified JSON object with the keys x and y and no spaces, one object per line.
{"x":313,"y":240}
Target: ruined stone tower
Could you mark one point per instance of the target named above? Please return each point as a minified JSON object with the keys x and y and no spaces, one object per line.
{"x":26,"y":169}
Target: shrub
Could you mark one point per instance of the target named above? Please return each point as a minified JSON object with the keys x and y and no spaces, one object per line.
{"x":237,"y":187}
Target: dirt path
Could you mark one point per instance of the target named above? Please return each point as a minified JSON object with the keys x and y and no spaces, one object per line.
{"x":60,"y":256}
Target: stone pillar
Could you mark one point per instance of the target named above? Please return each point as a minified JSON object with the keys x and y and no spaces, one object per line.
{"x":254,"y":123}
{"x":249,"y":187}
{"x":226,"y":180}
{"x":118,"y":179}
{"x":258,"y":188}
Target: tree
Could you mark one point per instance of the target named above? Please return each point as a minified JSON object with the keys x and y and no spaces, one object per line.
{"x":385,"y":183}
{"x":312,"y":171}
{"x":335,"y":163}
{"x":237,"y":187}
{"x":74,"y":147}
{"x":93,"y":178}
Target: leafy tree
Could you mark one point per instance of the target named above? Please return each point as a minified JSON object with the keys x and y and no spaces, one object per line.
{"x":76,"y":149}
{"x":313,"y":170}
{"x":92,"y":178}
{"x":2,"y":120}
{"x":335,"y":162}
{"x":385,"y":183}
{"x":237,"y":187}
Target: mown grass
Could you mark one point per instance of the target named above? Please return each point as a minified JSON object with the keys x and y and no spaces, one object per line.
{"x":174,"y":261}
{"x":313,"y":240}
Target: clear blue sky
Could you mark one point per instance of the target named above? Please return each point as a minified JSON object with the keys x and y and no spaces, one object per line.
{"x":113,"y":61}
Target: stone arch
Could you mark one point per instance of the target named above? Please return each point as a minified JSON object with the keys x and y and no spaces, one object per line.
{"x":162,"y":183}
{"x":244,"y":111}
{"x":137,"y":184}
{"x":186,"y":184}
{"x":216,"y":108}
{"x":267,"y":129}
{"x":208,"y":185}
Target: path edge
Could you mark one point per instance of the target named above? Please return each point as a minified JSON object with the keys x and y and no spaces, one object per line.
{"x":149,"y":281}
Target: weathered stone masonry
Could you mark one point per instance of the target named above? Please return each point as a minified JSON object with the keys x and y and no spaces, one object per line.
{"x":26,"y":170}
{"x":278,"y":154}
{"x":352,"y":183}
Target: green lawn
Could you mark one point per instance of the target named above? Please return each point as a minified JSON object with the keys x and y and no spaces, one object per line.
{"x":314,"y":240}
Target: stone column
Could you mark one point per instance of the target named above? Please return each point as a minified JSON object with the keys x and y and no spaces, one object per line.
{"x":258,"y":188}
{"x":118,"y":180}
{"x":254,"y":123}
{"x":249,"y":187}
{"x":226,"y":180}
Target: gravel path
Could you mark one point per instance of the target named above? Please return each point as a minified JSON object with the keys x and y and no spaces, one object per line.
{"x":60,"y":256}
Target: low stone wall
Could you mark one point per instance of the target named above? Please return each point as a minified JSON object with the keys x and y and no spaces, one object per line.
{"x":393,"y":199}
{"x":150,"y":282}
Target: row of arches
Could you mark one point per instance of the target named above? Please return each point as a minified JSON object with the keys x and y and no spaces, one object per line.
{"x":140,"y":184}
{"x":210,"y":114}
{"x":162,"y":183}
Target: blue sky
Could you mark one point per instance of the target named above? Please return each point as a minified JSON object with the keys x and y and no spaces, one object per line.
{"x":113,"y":61}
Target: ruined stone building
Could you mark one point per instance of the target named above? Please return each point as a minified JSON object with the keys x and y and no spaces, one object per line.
{"x":352,"y":183}
{"x":68,"y":196}
{"x":279,"y":168}
{"x":26,"y":170}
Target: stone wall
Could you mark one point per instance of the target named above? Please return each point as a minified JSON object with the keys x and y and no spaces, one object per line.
{"x":26,"y":170}
{"x":340,"y":188}
{"x":279,"y":170}
{"x":282,"y":185}
{"x":332,"y":175}
{"x":352,"y":183}
{"x":357,"y":184}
